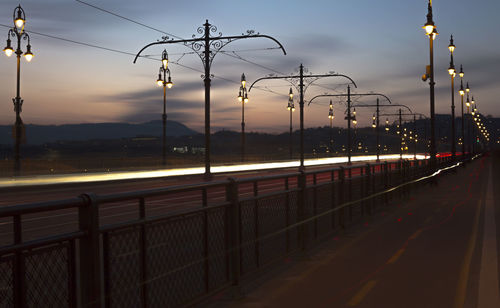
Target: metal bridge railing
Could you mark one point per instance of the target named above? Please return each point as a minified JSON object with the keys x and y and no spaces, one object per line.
{"x":215,"y":235}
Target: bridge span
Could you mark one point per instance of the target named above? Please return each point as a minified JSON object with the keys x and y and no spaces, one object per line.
{"x":205,"y":243}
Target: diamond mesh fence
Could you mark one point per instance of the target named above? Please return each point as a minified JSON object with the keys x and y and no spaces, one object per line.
{"x":184,"y":257}
{"x":324,"y":203}
{"x":122,"y":268}
{"x":176,"y":259}
{"x":218,"y":248}
{"x":272,"y":222}
{"x":248,"y":236}
{"x":6,"y":281}
{"x":48,"y":266}
{"x":173,"y":261}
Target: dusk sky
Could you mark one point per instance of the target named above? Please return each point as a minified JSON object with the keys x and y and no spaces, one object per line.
{"x":380,"y":44}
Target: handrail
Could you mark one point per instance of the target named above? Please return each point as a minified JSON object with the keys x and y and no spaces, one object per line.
{"x":30,"y":208}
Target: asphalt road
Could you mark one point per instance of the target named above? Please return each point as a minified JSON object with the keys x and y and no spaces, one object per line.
{"x":28,"y":194}
{"x":44,"y":224}
{"x":437,"y":249}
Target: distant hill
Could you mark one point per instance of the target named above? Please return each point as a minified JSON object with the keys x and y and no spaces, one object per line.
{"x":40,"y":134}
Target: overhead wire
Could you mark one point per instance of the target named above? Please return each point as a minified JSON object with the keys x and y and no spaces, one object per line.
{"x":234,"y":55}
{"x":149,"y":57}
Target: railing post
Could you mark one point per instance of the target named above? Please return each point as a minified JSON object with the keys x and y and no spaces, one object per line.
{"x":315,"y":206}
{"x":90,"y":261}
{"x":400,"y":177}
{"x":368,"y":188}
{"x":332,"y":205}
{"x":362,"y":190}
{"x":301,"y":210}
{"x":234,"y":236}
{"x":349,"y":173}
{"x":407,"y":176}
{"x":19,"y":269}
{"x":386,"y":182}
{"x":341,"y":193}
{"x":143,"y":254}
{"x":287,"y":213}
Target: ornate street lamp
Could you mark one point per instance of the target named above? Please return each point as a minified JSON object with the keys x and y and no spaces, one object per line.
{"x":291,"y":109}
{"x":164,"y":82}
{"x":431,"y":32}
{"x":467,"y":104}
{"x":302,"y":87}
{"x":351,"y":116}
{"x":331,"y":117}
{"x":452,"y":72}
{"x":207,"y":46}
{"x":18,"y":32}
{"x":462,"y":93}
{"x":243,"y":99}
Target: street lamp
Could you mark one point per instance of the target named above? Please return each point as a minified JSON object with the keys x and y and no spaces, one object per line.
{"x":467,"y":104}
{"x":350,"y":116}
{"x":431,"y":32}
{"x":164,"y":82}
{"x":462,"y":93}
{"x":18,"y":32}
{"x":207,"y":46}
{"x":331,"y":117}
{"x":291,"y":109}
{"x":452,"y":72}
{"x":243,"y":99}
{"x":301,"y":87}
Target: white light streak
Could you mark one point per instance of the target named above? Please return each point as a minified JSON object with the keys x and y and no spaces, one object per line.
{"x":130,"y":175}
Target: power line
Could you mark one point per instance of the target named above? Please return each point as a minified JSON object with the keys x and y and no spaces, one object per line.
{"x":233,"y":55}
{"x":128,"y":19}
{"x":133,"y":55}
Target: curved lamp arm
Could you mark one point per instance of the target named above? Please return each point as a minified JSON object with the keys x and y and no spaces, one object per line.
{"x":230,"y":38}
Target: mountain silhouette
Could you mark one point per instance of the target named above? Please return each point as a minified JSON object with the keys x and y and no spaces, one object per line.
{"x":40,"y":134}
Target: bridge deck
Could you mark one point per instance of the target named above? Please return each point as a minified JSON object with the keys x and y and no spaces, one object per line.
{"x":437,"y":249}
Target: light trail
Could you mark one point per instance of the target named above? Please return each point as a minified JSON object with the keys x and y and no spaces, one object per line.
{"x":134,"y":175}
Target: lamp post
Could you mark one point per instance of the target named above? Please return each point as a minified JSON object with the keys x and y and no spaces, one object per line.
{"x":301,"y":87}
{"x":467,"y":104}
{"x":206,"y":47}
{"x":472,"y":142}
{"x":431,"y":32}
{"x":18,"y":33}
{"x":378,"y":130}
{"x":462,"y":93}
{"x":331,"y":117}
{"x":402,"y":131}
{"x":401,"y":138}
{"x":352,"y":117}
{"x":243,"y":99}
{"x":291,"y":109}
{"x":415,"y":136}
{"x":162,"y":81}
{"x":452,"y":72}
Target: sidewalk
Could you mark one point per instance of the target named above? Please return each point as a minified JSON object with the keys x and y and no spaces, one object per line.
{"x":411,"y":254}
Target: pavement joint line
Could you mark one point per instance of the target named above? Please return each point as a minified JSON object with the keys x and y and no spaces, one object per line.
{"x":465,"y":268}
{"x":396,"y":256}
{"x":488,"y":295}
{"x":358,"y":297}
{"x":416,"y":234}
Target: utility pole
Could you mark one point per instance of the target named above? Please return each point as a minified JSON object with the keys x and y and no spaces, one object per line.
{"x":378,"y":131}
{"x":349,"y":141}
{"x":301,"y":88}
{"x":206,"y":47}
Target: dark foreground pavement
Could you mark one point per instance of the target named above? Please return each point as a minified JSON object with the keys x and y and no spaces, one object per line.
{"x":436,"y":249}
